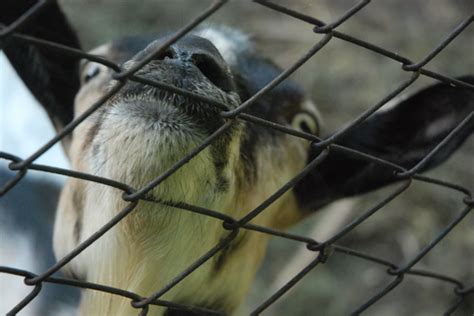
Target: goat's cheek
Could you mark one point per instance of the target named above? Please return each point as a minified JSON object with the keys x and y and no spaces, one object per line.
{"x":84,"y":133}
{"x":87,"y":96}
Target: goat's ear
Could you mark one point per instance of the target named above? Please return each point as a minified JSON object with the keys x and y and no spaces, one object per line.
{"x":51,"y":76}
{"x":403,"y":135}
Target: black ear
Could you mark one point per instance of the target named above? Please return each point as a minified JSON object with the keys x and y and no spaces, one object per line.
{"x":51,"y":76}
{"x":403,"y":135}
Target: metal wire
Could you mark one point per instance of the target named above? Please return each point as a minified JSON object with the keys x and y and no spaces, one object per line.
{"x":322,"y":250}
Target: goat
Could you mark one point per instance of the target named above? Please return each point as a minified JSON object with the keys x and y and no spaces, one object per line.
{"x":141,"y":131}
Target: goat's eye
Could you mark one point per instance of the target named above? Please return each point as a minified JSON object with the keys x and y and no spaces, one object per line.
{"x":91,"y":72}
{"x":305,"y":122}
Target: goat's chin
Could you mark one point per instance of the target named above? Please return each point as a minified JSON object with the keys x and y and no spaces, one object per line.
{"x":137,"y":143}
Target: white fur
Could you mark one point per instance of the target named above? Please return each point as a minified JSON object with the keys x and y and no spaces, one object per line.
{"x":229,"y":42}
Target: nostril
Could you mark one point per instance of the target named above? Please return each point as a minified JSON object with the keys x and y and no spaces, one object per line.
{"x":216,"y":73}
{"x":169,"y":52}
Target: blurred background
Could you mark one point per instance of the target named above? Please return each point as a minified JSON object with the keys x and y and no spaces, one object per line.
{"x":344,"y":80}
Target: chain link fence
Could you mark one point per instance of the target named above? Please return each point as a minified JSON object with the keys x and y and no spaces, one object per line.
{"x":325,"y":32}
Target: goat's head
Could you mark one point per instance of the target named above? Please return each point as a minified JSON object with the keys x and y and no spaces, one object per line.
{"x":142,"y":130}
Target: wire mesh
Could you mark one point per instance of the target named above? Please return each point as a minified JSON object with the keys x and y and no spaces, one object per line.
{"x":322,"y":249}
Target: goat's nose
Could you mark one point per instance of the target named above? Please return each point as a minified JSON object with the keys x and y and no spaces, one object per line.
{"x":205,"y":56}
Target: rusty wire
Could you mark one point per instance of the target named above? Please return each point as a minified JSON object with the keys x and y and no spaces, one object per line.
{"x":322,"y":250}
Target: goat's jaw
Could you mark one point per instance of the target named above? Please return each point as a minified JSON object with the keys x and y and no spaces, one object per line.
{"x":138,"y":141}
{"x":135,"y":143}
{"x":142,"y":131}
{"x":136,"y":254}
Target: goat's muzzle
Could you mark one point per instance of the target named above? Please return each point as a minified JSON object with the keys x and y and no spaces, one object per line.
{"x":192,"y":64}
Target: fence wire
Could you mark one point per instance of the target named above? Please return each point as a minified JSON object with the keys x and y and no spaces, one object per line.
{"x":322,"y":249}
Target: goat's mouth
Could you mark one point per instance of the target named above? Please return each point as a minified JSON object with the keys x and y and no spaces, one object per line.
{"x":171,"y":110}
{"x":158,"y":127}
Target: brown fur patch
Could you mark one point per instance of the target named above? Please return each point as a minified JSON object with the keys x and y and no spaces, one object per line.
{"x":78,"y":204}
